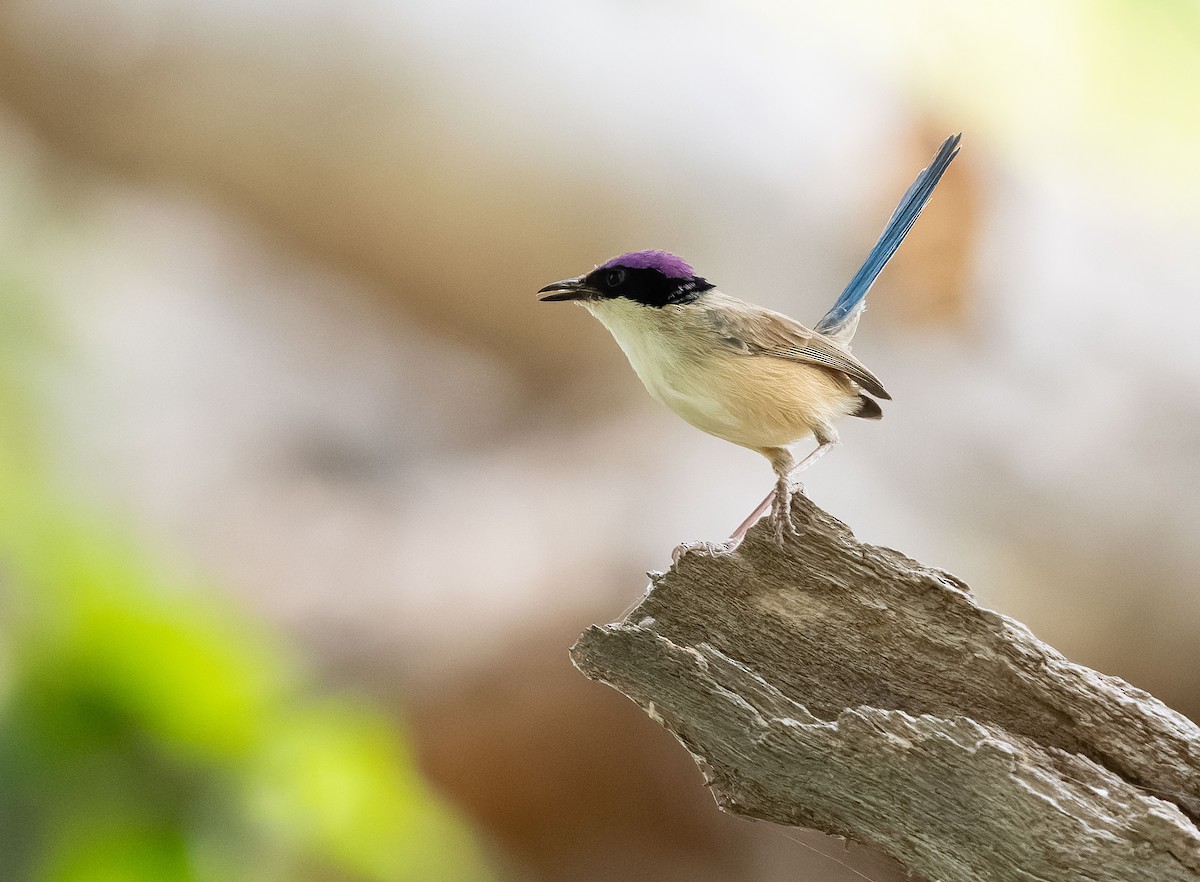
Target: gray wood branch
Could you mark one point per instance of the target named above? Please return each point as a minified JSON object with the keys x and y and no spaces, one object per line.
{"x":844,"y":687}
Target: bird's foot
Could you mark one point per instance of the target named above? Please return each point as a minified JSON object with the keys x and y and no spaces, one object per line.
{"x":781,"y":511}
{"x":708,"y":549}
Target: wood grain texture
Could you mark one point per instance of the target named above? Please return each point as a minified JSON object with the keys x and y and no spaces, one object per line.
{"x":845,"y":687}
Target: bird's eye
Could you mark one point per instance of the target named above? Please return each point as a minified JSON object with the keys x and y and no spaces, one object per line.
{"x":614,"y":277}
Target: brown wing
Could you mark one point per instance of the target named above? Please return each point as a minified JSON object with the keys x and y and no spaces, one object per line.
{"x":757,"y":331}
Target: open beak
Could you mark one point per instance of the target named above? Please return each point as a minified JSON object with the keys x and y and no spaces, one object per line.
{"x":567,"y":289}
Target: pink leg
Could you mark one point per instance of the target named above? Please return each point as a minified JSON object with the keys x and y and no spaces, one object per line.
{"x":740,"y":532}
{"x":817,"y":453}
{"x":783,"y":514}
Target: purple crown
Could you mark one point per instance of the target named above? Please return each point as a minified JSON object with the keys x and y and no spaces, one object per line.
{"x":668,"y":264}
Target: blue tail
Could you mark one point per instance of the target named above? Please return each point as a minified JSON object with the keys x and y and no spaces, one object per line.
{"x":849,"y":304}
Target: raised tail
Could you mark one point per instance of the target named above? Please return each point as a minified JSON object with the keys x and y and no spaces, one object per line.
{"x":842,"y":319}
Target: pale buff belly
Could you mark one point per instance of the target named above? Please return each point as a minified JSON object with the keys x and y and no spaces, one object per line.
{"x":758,"y":402}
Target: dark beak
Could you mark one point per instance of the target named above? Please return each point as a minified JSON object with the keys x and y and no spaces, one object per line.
{"x":567,"y":289}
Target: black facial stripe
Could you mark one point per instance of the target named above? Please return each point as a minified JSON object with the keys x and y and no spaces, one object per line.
{"x":647,"y":286}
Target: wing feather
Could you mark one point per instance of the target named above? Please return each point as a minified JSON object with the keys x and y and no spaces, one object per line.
{"x":756,"y":331}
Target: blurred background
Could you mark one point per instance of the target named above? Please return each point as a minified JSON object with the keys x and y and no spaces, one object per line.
{"x":303,"y":496}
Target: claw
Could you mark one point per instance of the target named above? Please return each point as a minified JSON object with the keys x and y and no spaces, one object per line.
{"x":708,"y":549}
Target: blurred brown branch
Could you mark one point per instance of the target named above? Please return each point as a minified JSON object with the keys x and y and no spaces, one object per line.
{"x":844,"y":687}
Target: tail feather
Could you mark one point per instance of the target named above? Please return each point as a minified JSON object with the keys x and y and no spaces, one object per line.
{"x":868,"y":409}
{"x":842,"y":319}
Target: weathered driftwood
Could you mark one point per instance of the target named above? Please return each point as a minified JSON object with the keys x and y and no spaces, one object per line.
{"x":844,"y":687}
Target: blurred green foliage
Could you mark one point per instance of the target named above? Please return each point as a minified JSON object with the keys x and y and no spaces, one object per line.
{"x":146,"y":732}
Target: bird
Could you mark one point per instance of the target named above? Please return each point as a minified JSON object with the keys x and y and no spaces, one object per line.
{"x":740,"y":372}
